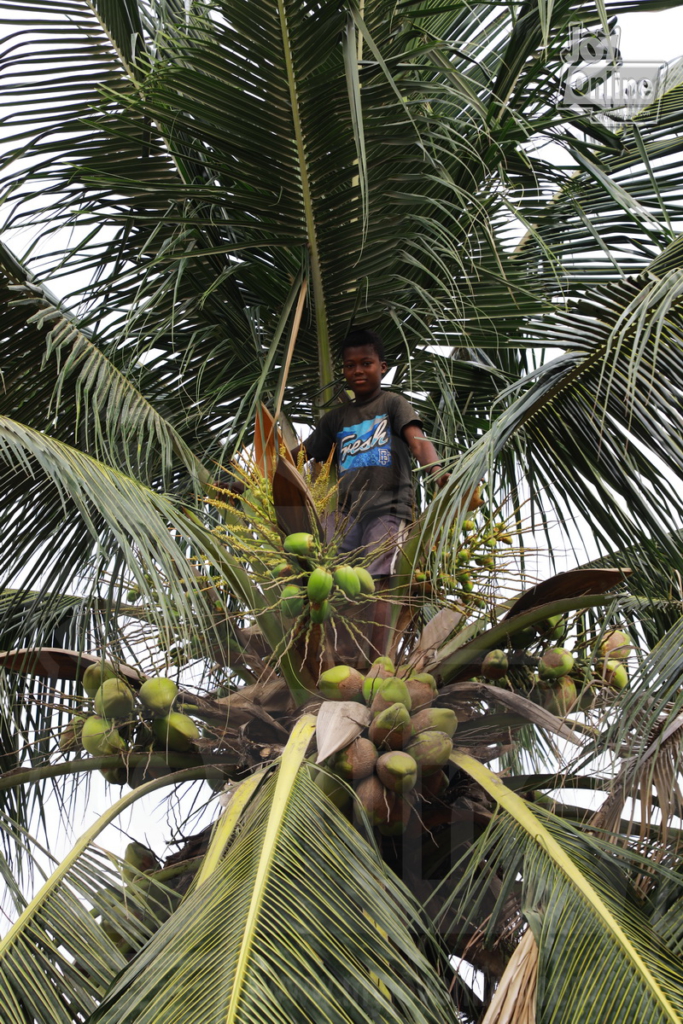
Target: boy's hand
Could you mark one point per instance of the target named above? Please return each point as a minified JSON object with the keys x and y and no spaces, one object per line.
{"x":439,"y":477}
{"x":425,"y":453}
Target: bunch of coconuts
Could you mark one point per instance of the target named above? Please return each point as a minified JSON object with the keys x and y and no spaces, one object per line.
{"x":125,"y":721}
{"x":561,"y":683}
{"x":322,"y":578}
{"x":401,"y":756}
{"x":473,"y":557}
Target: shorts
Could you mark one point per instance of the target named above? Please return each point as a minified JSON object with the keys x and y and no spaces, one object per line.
{"x":383,"y":534}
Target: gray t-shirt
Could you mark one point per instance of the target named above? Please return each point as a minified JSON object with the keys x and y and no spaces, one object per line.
{"x":372,"y":459}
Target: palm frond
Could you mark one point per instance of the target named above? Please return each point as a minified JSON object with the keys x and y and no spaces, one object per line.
{"x":578,"y":905}
{"x":57,"y":960}
{"x":300,"y":920}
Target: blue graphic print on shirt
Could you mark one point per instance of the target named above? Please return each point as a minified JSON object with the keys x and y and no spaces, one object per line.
{"x":364,"y":444}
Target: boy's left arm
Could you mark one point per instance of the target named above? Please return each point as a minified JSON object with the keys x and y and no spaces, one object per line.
{"x":424,"y":452}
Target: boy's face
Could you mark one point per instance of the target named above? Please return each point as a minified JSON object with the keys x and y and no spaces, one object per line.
{"x":363,"y":370}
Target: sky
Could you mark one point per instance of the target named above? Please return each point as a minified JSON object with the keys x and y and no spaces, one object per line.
{"x":655,"y":36}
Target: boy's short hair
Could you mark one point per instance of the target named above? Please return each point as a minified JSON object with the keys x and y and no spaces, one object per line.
{"x":363,"y":336}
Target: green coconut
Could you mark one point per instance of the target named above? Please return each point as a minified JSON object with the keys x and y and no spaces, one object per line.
{"x":441,"y":719}
{"x":616,"y":644}
{"x":391,"y":728}
{"x":421,"y":694}
{"x":300,"y":544}
{"x":356,"y":761}
{"x":376,"y":800}
{"x":321,"y":612}
{"x":158,"y":694}
{"x":341,"y":683}
{"x":99,"y":737}
{"x":367,"y":584}
{"x":94,"y":676}
{"x":139,"y":859}
{"x":334,"y":789}
{"x":522,"y":638}
{"x":346,"y":578}
{"x":553,"y":627}
{"x":390,"y":691}
{"x":114,"y":699}
{"x":398,"y":818}
{"x":555,"y":662}
{"x":397,"y":770}
{"x":560,"y":696}
{"x":616,"y":674}
{"x":434,"y":785}
{"x":431,"y":749}
{"x":115,"y":776}
{"x":292,"y":601}
{"x":319,"y":585}
{"x":175,"y":731}
{"x":494,"y":665}
{"x":70,"y":736}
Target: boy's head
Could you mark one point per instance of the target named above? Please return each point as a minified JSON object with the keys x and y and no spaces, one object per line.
{"x":363,"y":363}
{"x":364,"y":336}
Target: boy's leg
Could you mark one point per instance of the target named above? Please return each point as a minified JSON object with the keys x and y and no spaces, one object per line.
{"x":384,"y":535}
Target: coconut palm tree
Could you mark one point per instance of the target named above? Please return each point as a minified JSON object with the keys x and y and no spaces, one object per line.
{"x":213,"y":193}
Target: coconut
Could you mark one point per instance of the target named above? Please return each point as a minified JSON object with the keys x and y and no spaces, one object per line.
{"x":616,"y":644}
{"x":424,"y":677}
{"x":158,"y":694}
{"x":441,"y":719}
{"x":390,"y":691}
{"x":560,"y":696}
{"x":553,"y":627}
{"x":615,"y":674}
{"x":555,"y":662}
{"x":375,"y":799}
{"x":341,"y":683}
{"x":347,"y":580}
{"x":398,"y":819}
{"x":281,"y":571}
{"x":522,"y":638}
{"x":319,"y":585}
{"x":138,"y":858}
{"x":300,"y":544}
{"x":391,"y":728}
{"x":494,"y":665}
{"x":384,"y":664}
{"x":367,"y":584}
{"x":114,"y":699}
{"x":99,"y":737}
{"x":321,"y":612}
{"x":587,"y":697}
{"x":70,"y":736}
{"x":356,"y":761}
{"x":115,"y":776}
{"x":431,"y":749}
{"x":397,"y":771}
{"x":434,"y":785}
{"x":334,"y":789}
{"x":292,"y":601}
{"x":175,"y":731}
{"x":421,"y":694}
{"x":94,"y":676}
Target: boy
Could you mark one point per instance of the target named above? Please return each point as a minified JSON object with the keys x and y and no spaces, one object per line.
{"x":373,"y":438}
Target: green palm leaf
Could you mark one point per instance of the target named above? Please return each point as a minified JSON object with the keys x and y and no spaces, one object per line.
{"x":300,"y":921}
{"x":582,"y":914}
{"x":57,"y":961}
